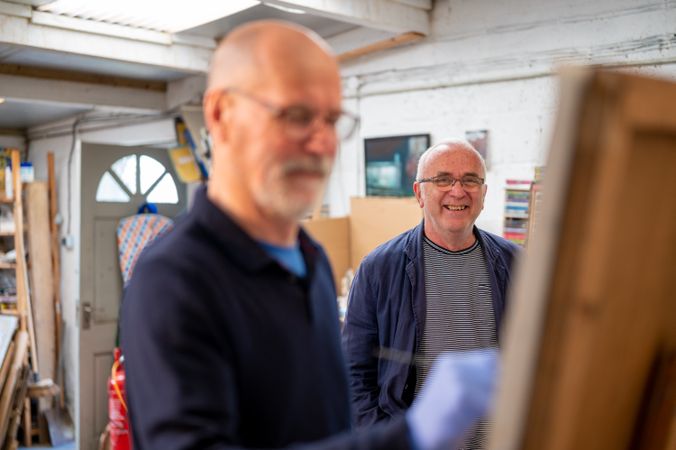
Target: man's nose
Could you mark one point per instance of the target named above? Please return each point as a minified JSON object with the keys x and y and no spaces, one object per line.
{"x":457,"y":189}
{"x":322,"y":138}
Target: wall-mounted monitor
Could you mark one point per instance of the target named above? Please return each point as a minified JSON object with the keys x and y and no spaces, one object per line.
{"x":391,"y":164}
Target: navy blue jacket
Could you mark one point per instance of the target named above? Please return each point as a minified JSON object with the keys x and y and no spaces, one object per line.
{"x":386,"y":309}
{"x":225,"y":348}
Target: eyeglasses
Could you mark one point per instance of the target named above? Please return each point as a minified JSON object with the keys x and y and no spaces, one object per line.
{"x":469,"y":183}
{"x":299,"y":121}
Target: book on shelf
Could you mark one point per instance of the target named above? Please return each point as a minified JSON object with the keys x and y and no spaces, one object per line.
{"x":517,"y":208}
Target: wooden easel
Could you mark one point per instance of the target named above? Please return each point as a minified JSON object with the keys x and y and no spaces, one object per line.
{"x":591,"y":338}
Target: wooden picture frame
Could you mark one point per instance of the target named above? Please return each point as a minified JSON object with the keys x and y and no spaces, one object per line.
{"x":590,"y":345}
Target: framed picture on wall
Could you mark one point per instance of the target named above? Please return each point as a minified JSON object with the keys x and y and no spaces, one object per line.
{"x":391,"y":164}
{"x":479,"y":140}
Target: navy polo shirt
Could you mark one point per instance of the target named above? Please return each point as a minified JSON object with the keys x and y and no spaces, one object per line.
{"x":225,"y":347}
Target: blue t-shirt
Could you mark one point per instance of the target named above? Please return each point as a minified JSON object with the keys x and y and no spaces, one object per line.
{"x":289,"y":257}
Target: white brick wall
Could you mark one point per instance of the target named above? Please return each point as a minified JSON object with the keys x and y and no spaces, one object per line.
{"x":489,"y":64}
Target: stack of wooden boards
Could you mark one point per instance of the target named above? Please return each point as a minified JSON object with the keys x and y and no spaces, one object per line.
{"x":14,"y":375}
{"x":30,"y":333}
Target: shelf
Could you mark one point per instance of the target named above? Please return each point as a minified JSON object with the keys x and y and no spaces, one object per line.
{"x":9,"y":304}
{"x":517,"y":211}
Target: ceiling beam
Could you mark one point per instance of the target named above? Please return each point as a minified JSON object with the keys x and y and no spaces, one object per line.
{"x":79,"y":94}
{"x":396,"y":41}
{"x":188,"y":90}
{"x":388,"y":15}
{"x":55,"y":35}
{"x":13,"y":132}
{"x":81,"y":77}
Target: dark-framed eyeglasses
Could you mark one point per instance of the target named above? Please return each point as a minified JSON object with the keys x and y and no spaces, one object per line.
{"x":469,"y":183}
{"x":299,"y":121}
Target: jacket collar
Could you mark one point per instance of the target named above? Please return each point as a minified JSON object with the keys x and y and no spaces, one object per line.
{"x":491,"y":251}
{"x":414,"y":241}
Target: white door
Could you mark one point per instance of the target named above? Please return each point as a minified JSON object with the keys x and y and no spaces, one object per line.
{"x":115,"y":182}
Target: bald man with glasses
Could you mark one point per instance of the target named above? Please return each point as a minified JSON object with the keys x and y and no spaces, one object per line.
{"x":438,"y":287}
{"x":230,"y":324}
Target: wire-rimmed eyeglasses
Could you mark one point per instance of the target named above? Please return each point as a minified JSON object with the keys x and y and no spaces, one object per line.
{"x":469,"y":183}
{"x":299,"y":121}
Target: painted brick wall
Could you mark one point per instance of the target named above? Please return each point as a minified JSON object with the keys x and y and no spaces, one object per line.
{"x":491,"y":64}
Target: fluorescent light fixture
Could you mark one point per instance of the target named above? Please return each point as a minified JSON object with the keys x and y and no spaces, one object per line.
{"x":284,"y":8}
{"x":163,"y":15}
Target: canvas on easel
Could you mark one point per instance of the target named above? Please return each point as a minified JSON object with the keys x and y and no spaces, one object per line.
{"x":590,"y":344}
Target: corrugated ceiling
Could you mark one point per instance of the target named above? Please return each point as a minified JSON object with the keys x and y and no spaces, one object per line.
{"x":160,"y":15}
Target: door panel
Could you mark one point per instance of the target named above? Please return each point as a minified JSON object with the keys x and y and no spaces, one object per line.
{"x":100,"y":278}
{"x":107,"y":287}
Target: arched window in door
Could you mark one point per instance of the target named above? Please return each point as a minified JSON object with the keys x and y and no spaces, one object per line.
{"x":137,"y":174}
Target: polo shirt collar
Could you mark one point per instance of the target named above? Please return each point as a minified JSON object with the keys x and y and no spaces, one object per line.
{"x":240,"y":247}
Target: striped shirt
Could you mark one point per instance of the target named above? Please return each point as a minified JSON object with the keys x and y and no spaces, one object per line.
{"x":459,"y":311}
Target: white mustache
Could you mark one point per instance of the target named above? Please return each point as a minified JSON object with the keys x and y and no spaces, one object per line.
{"x":321,"y":166}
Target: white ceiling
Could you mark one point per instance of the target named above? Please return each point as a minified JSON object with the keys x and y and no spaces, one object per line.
{"x":46,"y":59}
{"x":54,"y":67}
{"x":19,"y":114}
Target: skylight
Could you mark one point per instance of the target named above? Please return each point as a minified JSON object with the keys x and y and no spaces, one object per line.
{"x":162,"y":15}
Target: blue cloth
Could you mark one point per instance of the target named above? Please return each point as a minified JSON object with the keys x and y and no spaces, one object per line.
{"x":150,"y":208}
{"x":225,"y":349}
{"x":386,"y":308}
{"x":289,"y":257}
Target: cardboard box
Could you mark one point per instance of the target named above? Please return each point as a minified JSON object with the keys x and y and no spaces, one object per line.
{"x":373,"y":221}
{"x":334,"y":235}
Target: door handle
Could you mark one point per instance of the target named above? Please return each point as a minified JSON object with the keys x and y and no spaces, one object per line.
{"x":86,"y":315}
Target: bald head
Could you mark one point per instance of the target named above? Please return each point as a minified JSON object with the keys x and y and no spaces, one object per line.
{"x":447,"y":146}
{"x":266,"y":52}
{"x":269,"y":164}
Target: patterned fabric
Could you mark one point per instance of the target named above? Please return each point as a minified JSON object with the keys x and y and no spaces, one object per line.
{"x":133,"y":234}
{"x":459,"y":313}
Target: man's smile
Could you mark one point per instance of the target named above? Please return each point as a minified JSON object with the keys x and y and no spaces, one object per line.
{"x":455,"y":207}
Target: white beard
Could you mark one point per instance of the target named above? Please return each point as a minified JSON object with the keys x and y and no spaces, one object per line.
{"x":291,"y":198}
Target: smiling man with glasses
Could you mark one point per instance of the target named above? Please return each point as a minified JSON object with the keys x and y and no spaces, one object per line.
{"x":438,"y":287}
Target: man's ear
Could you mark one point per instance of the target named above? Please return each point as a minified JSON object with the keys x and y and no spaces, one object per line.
{"x":418,"y":194}
{"x":215,"y":110}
